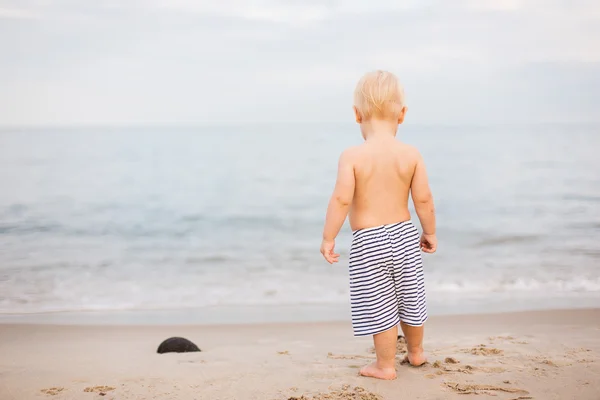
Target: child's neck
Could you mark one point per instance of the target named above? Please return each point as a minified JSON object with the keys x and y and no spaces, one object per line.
{"x":377,"y":128}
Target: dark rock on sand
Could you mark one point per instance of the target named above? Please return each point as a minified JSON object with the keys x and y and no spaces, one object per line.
{"x":177,"y":345}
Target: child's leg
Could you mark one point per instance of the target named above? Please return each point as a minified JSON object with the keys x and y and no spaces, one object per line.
{"x":414,"y":344}
{"x":385,"y":348}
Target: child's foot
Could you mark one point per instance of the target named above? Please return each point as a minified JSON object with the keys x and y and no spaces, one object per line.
{"x":373,"y":371}
{"x":415,"y":359}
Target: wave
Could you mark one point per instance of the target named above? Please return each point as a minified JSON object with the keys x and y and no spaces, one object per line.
{"x":507,"y":239}
{"x":276,"y":290}
{"x":527,"y":285}
{"x":151,"y":226}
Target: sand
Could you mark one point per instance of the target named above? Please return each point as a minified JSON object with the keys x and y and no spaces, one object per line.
{"x":535,"y":355}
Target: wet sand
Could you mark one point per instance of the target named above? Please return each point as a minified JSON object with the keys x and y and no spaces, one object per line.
{"x":535,"y":355}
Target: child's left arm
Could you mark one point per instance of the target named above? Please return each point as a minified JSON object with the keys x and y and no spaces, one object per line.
{"x":339,"y":205}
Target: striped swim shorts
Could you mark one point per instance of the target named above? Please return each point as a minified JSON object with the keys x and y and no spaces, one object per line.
{"x":386,"y":278}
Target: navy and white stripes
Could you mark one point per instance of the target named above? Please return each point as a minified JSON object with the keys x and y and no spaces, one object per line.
{"x":386,"y":278}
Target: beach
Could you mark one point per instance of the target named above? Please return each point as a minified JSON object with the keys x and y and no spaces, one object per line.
{"x":114,"y":240}
{"x":529,"y":355}
{"x":188,"y":172}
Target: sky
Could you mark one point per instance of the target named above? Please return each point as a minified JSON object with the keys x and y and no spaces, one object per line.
{"x":141,"y":62}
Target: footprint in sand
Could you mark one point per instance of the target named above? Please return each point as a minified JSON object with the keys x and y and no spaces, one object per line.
{"x":492,"y":338}
{"x":450,"y":366}
{"x":481,"y":389}
{"x":577,"y":351}
{"x":549,"y":362}
{"x":575,"y":354}
{"x":585,"y":361}
{"x":483,"y":350}
{"x":510,"y":339}
{"x":101,"y":390}
{"x":348,"y":357}
{"x":53,"y":391}
{"x":346,"y":393}
{"x":443,"y":369}
{"x":505,"y":338}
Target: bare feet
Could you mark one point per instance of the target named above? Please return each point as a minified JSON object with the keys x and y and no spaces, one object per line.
{"x":373,"y":371}
{"x":415,"y":359}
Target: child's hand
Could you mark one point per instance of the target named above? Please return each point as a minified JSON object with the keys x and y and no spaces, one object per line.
{"x":428,"y":243}
{"x":327,"y":249}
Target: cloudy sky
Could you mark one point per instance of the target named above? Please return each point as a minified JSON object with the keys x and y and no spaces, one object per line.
{"x":212,"y":61}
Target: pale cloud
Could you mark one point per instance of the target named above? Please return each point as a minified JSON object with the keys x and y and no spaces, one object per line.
{"x":17,"y":13}
{"x":188,"y":61}
{"x":497,"y":5}
{"x":302,"y":15}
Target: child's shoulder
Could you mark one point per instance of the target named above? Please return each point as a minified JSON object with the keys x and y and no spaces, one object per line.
{"x":408,"y":148}
{"x":403,"y":150}
{"x":351,"y":153}
{"x":397,"y":147}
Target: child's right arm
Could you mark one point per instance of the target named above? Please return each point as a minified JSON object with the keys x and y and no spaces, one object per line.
{"x":423,"y":200}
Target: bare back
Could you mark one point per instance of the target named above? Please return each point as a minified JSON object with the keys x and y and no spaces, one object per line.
{"x":384,"y":171}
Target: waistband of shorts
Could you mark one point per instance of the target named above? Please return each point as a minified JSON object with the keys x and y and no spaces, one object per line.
{"x":360,"y":232}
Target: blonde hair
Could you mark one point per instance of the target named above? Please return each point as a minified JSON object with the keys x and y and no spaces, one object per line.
{"x":379,"y":94}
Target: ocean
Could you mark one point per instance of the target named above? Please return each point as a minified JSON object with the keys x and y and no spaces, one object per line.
{"x":223,"y":224}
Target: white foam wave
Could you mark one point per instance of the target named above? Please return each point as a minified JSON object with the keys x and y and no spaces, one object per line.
{"x":529,"y":285}
{"x":270,"y":288}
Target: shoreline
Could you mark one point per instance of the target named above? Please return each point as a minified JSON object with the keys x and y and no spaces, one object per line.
{"x":551,"y":354}
{"x":575,"y":315}
{"x":265,"y":314}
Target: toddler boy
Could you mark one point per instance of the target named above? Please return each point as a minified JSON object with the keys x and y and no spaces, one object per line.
{"x":373,"y":184}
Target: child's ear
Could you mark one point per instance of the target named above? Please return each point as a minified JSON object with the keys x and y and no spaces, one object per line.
{"x":402,"y":114}
{"x":357,"y":116}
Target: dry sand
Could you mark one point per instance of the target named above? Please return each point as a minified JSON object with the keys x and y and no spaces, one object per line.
{"x":536,"y":355}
